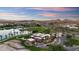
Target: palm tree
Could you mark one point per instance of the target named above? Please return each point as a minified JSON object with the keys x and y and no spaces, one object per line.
{"x":1,"y":37}
{"x":6,"y":37}
{"x":51,"y":31}
{"x":9,"y":34}
{"x":14,"y":33}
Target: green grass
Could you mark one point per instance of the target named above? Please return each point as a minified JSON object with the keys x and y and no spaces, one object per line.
{"x":71,"y":42}
{"x":40,"y":29}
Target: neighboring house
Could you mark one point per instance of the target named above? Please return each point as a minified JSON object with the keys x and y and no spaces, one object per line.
{"x":71,"y":26}
{"x":59,"y":34}
{"x":1,"y":24}
{"x":26,"y":32}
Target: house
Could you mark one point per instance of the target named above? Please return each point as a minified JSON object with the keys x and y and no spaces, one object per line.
{"x":73,"y":27}
{"x":40,"y":36}
{"x":37,"y":38}
{"x":30,"y":41}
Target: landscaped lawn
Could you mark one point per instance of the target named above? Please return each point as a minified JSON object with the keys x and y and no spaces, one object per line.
{"x":71,"y":42}
{"x":40,"y":29}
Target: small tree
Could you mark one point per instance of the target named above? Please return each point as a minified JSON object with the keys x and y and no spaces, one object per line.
{"x":69,"y":36}
{"x":56,"y":48}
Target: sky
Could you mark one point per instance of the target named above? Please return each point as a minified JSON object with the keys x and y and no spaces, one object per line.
{"x":38,"y":13}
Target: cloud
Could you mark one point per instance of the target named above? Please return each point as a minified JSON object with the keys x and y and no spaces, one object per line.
{"x":71,"y":14}
{"x":13,"y":16}
{"x":53,"y":8}
{"x":48,"y":14}
{"x":6,"y":14}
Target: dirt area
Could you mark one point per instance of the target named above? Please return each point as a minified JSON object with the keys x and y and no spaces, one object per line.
{"x":12,"y":45}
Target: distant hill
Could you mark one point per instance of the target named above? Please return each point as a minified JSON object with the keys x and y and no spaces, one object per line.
{"x":57,"y":21}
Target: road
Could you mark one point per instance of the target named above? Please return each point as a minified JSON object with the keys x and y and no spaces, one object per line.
{"x":61,"y":40}
{"x":75,"y":48}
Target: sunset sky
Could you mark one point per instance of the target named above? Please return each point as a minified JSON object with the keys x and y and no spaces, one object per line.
{"x":35,"y":13}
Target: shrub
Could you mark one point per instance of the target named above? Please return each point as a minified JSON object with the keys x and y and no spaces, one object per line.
{"x":56,"y":48}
